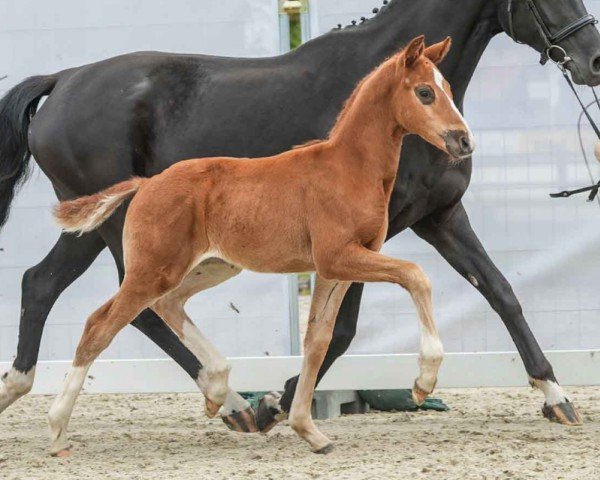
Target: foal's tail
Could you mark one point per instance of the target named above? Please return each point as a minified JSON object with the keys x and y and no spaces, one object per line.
{"x":85,"y":214}
{"x":17,"y":108}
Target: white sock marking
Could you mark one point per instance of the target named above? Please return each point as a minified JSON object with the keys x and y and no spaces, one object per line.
{"x":214,"y":373}
{"x":15,"y":385}
{"x":431,"y":354}
{"x":552,"y":391}
{"x":62,"y":408}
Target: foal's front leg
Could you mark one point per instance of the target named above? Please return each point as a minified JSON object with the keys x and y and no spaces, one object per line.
{"x":359,"y":264}
{"x":327,"y":298}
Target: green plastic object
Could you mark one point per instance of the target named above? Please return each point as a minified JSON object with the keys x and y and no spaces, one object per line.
{"x":253,"y":398}
{"x":384,"y":400}
{"x":399,"y":401}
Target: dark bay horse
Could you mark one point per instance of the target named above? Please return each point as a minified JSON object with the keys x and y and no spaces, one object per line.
{"x":137,"y":114}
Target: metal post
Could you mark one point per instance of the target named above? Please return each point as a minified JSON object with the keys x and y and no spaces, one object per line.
{"x":286,"y":7}
{"x":294,"y":315}
{"x":284,"y":32}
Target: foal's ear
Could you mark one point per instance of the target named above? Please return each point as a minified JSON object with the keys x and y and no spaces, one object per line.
{"x":437,"y":52}
{"x":412,"y":52}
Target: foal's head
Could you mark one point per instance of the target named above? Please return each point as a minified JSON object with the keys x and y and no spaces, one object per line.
{"x":423,"y":102}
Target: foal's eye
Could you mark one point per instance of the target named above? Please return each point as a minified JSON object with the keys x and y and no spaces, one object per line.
{"x":425,"y":94}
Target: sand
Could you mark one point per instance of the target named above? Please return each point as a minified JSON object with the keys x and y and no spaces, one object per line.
{"x":488,"y":434}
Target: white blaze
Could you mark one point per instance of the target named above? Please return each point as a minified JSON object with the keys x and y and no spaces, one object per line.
{"x":439,"y":81}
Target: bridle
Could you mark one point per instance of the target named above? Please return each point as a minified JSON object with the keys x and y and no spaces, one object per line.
{"x":551,"y":40}
{"x":551,"y":44}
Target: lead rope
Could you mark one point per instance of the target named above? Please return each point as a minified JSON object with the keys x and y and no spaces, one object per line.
{"x":593,"y":189}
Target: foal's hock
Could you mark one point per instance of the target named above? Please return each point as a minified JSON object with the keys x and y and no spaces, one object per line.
{"x":320,"y":207}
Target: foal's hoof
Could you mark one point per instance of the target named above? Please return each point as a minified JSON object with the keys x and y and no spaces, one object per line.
{"x":269,"y":412}
{"x":325,"y":450}
{"x":243,"y":422}
{"x":62,"y":453}
{"x":211,"y":408}
{"x":563,"y":413}
{"x":419,"y":395}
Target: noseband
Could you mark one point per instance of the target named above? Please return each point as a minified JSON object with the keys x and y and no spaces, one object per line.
{"x":551,"y":40}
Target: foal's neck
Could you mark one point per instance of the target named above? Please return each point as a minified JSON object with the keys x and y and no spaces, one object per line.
{"x":366,"y":132}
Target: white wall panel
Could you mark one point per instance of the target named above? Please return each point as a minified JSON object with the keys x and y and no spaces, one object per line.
{"x":43,"y":37}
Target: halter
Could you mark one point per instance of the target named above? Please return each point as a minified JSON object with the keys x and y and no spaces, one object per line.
{"x":551,"y":42}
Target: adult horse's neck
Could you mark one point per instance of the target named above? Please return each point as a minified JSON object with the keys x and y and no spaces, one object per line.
{"x":470,"y":23}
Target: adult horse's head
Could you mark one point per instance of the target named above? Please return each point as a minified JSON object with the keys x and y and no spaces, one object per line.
{"x":424,"y":102}
{"x":562,"y":30}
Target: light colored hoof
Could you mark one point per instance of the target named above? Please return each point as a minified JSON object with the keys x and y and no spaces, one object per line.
{"x":211,"y":408}
{"x":60,"y":448}
{"x":62,"y":454}
{"x":419,"y":395}
{"x":325,"y":450}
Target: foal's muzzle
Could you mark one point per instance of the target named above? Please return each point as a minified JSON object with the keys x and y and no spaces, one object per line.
{"x":459,"y":143}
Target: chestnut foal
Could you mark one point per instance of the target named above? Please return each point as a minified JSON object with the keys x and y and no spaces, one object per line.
{"x":320,"y":207}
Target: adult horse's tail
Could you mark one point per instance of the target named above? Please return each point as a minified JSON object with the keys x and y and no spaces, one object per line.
{"x":85,"y":214}
{"x":16,"y":109}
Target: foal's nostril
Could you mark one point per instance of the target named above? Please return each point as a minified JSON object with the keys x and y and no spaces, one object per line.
{"x":595,"y":65}
{"x":465,"y":143}
{"x":459,"y":143}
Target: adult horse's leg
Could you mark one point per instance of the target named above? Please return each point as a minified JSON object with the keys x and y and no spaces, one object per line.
{"x":450,"y":232}
{"x":42,"y":285}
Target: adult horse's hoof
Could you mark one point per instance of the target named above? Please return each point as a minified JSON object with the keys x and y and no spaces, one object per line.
{"x":563,"y":413}
{"x":325,"y":450}
{"x":269,"y":412}
{"x":243,"y":422}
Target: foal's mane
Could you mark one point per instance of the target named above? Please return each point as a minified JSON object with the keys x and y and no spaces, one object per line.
{"x":362,"y":87}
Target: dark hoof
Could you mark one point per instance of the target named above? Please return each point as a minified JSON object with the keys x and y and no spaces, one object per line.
{"x":243,"y":422}
{"x":563,"y":413}
{"x":269,"y":412}
{"x":325,"y":450}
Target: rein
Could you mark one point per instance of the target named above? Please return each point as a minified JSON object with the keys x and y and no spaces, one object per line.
{"x":551,"y":41}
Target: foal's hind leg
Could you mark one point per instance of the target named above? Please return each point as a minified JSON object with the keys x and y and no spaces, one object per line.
{"x":214,"y":372}
{"x":327,"y":298}
{"x":42,"y":285}
{"x":100,"y":329}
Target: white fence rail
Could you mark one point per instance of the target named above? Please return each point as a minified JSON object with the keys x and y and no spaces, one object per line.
{"x":351,"y":372}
